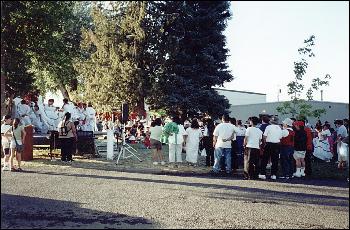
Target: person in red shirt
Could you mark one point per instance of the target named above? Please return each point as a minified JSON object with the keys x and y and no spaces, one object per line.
{"x":287,"y":149}
{"x":309,"y":151}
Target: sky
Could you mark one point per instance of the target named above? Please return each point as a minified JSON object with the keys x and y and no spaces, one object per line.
{"x":264,"y":37}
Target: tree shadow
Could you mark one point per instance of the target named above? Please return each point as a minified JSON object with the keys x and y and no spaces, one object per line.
{"x":130,"y":166}
{"x":32,"y":212}
{"x":249,"y":194}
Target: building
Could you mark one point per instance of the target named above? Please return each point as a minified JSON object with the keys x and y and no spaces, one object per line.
{"x":242,"y":97}
{"x":334,"y":110}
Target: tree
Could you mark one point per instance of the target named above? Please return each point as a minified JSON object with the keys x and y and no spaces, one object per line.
{"x":47,"y":36}
{"x":112,"y":73}
{"x":191,"y":57}
{"x":298,"y":107}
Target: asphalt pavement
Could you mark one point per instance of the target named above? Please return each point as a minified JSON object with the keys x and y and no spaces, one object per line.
{"x":99,"y":194}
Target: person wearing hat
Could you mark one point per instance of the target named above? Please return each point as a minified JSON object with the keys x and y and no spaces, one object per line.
{"x":287,"y":148}
{"x":6,"y":140}
{"x":271,"y":142}
{"x":300,"y":146}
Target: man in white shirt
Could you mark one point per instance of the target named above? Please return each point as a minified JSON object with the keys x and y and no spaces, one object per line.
{"x":223,"y":133}
{"x":50,"y":116}
{"x":252,"y":141}
{"x":6,"y":140}
{"x":23,"y":111}
{"x":176,"y":142}
{"x":271,"y":139}
{"x":91,"y":117}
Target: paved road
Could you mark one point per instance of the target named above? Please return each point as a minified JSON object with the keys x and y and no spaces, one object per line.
{"x":105,"y":196}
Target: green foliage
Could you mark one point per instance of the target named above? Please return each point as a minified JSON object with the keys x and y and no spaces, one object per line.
{"x":112,"y":74}
{"x":192,"y":57}
{"x":47,"y":36}
{"x":298,"y":107}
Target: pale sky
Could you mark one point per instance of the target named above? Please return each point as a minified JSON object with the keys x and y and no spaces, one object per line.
{"x":264,"y":37}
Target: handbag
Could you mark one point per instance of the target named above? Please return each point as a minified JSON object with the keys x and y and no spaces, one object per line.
{"x":19,"y":148}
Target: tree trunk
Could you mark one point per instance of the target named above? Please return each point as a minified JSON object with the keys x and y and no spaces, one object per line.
{"x":140,"y":107}
{"x":64,"y":92}
{"x":3,"y":105}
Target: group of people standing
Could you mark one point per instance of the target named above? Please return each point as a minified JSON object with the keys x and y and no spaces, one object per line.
{"x":45,"y":117}
{"x":12,"y":141}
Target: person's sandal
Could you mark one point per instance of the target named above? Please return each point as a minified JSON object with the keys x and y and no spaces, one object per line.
{"x":20,"y":170}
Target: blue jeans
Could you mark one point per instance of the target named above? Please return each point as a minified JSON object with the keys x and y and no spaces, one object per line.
{"x":287,"y":160}
{"x":218,"y":154}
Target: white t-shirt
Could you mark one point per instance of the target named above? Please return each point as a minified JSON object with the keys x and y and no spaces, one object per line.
{"x":241,"y":131}
{"x":254,"y":136}
{"x":224,"y":131}
{"x":180,"y":138}
{"x":5,"y":141}
{"x":342,"y":131}
{"x":156,"y":132}
{"x":273,"y":133}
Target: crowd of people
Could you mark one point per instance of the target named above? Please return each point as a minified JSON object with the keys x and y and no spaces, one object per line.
{"x":290,"y":146}
{"x":45,"y":117}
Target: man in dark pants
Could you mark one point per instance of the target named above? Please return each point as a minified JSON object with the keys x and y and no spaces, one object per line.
{"x":272,"y":137}
{"x":234,"y":148}
{"x":308,"y":155}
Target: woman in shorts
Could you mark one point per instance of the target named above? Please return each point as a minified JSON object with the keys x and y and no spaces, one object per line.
{"x":156,"y":132}
{"x":299,"y":148}
{"x":17,"y":143}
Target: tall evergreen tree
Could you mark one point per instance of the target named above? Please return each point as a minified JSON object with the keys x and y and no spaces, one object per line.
{"x":113,"y":74}
{"x":193,"y":58}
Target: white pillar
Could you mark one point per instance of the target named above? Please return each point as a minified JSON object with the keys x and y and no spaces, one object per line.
{"x":110,"y":143}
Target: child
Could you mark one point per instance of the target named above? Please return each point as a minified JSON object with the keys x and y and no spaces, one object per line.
{"x":147,"y":140}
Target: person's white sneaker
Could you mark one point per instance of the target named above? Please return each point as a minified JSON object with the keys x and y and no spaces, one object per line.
{"x":6,"y":168}
{"x":162,"y":163}
{"x":155,"y":163}
{"x":273,"y":177}
{"x":302,"y":172}
{"x":297,"y":173}
{"x":263,"y":177}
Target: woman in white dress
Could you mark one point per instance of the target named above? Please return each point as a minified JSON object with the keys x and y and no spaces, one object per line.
{"x":192,"y":142}
{"x":322,"y":146}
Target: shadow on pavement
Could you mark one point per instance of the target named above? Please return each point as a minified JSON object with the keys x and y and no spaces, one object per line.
{"x":31,"y":212}
{"x":135,"y":168}
{"x":245,"y":193}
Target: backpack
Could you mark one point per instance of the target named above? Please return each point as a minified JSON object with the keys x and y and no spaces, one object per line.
{"x":64,"y":130}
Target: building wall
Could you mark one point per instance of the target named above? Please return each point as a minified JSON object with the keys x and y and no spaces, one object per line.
{"x":241,"y":97}
{"x":334,"y":111}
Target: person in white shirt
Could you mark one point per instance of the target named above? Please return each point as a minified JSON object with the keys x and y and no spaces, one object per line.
{"x":156,"y":133}
{"x":194,"y":135}
{"x":342,"y":133}
{"x":223,"y":134}
{"x":23,"y":111}
{"x":50,"y":115}
{"x":35,"y":117}
{"x":252,"y":142}
{"x":6,"y":140}
{"x":176,"y":143}
{"x":91,"y":112}
{"x":322,"y":146}
{"x":271,"y":139}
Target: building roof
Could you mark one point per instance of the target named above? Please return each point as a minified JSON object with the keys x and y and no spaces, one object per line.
{"x":280,"y":102}
{"x":236,"y":91}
